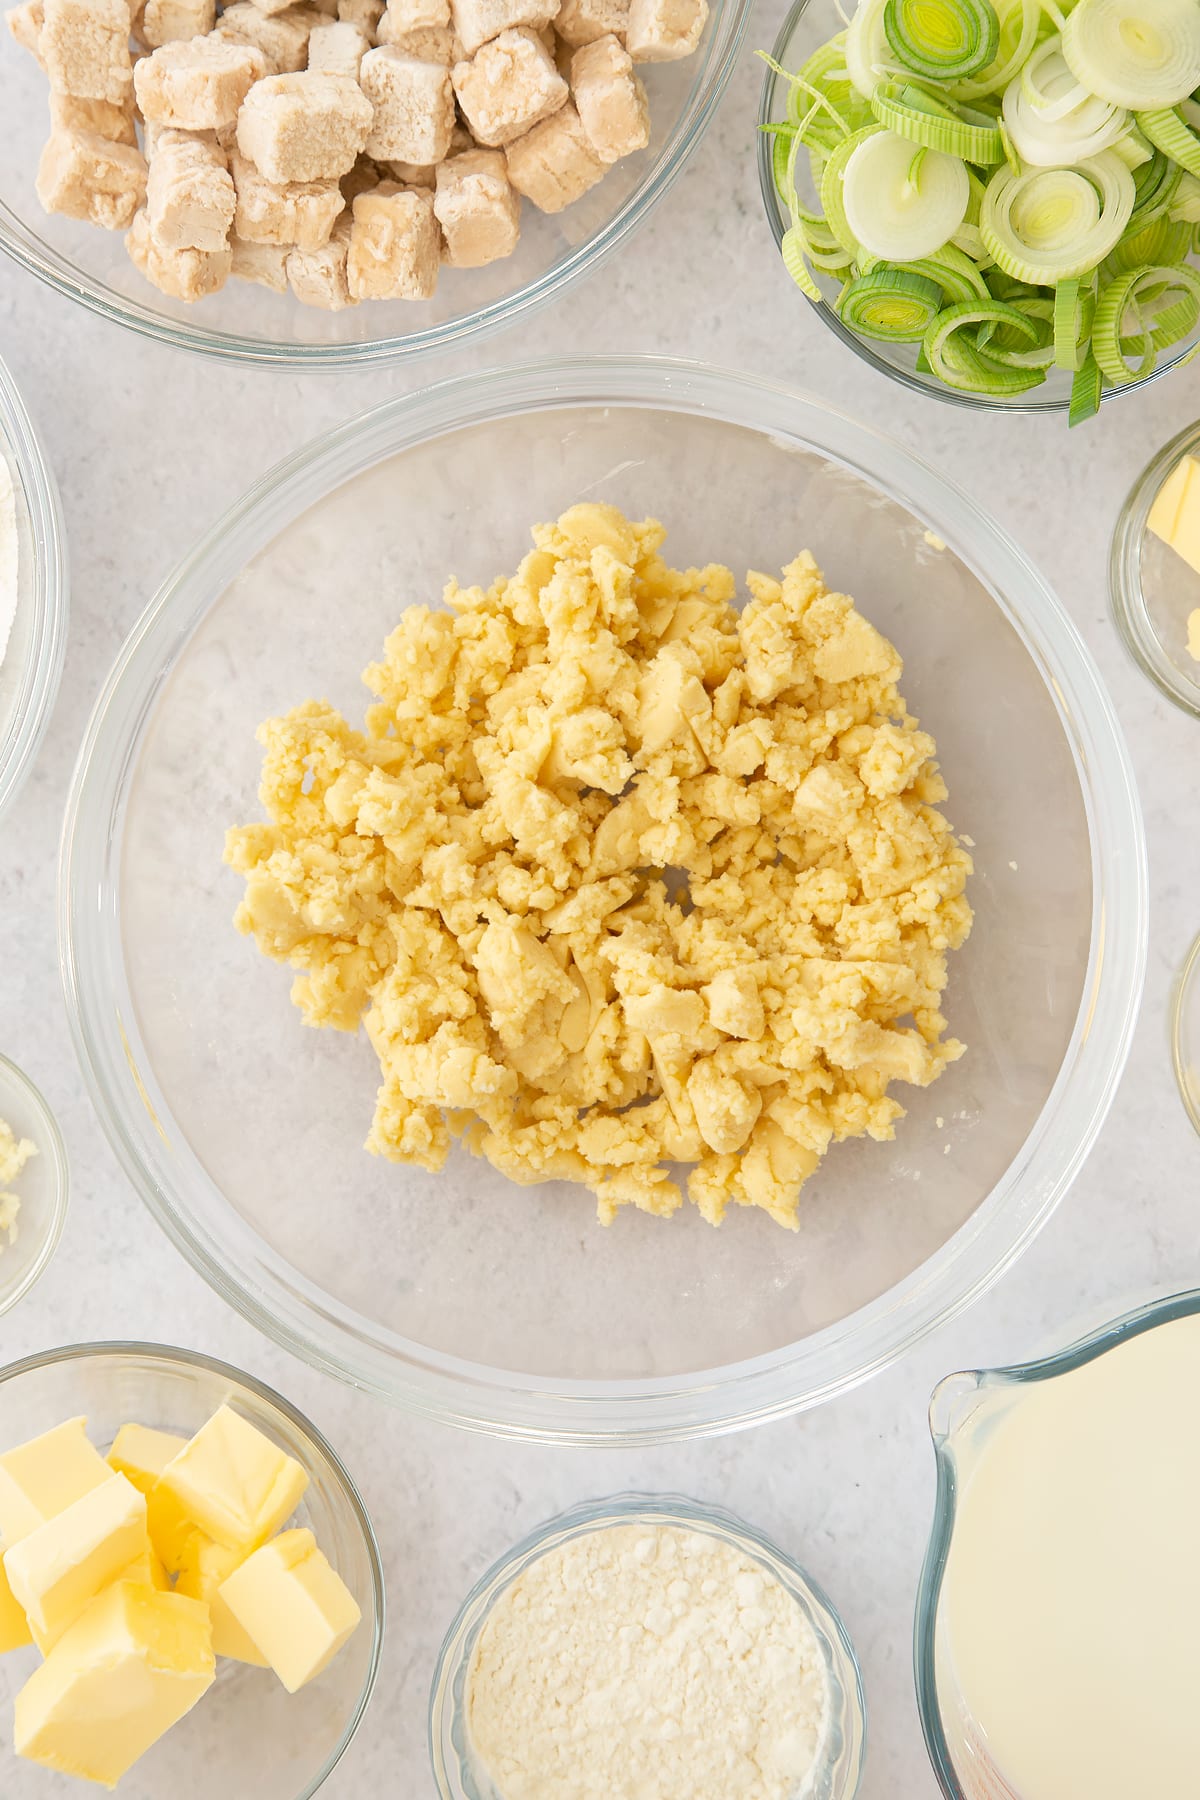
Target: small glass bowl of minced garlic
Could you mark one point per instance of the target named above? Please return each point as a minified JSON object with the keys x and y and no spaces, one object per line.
{"x":1154,"y":570}
{"x":644,"y":1645}
{"x":33,"y":1184}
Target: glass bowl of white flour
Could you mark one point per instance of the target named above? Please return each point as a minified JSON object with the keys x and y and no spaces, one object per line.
{"x":647,"y":1645}
{"x":33,"y":590}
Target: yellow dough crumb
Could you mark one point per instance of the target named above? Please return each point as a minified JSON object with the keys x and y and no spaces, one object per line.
{"x":618,"y":877}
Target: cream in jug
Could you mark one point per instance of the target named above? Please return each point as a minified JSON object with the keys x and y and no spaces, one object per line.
{"x":1069,"y":1617}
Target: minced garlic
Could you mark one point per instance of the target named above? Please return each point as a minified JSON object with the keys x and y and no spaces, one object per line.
{"x":618,"y":877}
{"x":15,"y":1152}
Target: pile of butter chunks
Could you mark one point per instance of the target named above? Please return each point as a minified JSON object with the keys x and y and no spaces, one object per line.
{"x":133,"y":1573}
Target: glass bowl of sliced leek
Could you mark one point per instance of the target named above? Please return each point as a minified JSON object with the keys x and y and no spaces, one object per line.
{"x":994,"y":201}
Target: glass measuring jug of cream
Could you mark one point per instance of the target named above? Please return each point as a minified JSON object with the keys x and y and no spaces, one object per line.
{"x":1058,"y":1621}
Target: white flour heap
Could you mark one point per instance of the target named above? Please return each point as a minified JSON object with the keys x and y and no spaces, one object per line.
{"x":8,"y":554}
{"x":642,"y":1661}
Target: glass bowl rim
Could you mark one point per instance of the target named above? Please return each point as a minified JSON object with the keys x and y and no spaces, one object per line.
{"x":1126,"y":596}
{"x":48,"y":590}
{"x":670,"y":1508}
{"x":100,"y":1349}
{"x":773,"y":1384}
{"x":1162,"y":1310}
{"x":861,"y":346}
{"x":1181,"y":989}
{"x":23,"y":245}
{"x":51,"y":1145}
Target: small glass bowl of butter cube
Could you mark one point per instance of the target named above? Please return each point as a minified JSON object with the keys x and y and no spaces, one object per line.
{"x":1154,"y":570}
{"x":191,"y":1595}
{"x":33,"y":1185}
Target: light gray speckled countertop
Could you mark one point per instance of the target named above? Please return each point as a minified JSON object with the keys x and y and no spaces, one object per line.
{"x":148,"y":446}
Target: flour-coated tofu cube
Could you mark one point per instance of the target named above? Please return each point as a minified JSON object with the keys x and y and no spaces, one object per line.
{"x":337,"y":48}
{"x":300,"y":213}
{"x":318,"y":277}
{"x":305,"y":127}
{"x":508,"y":87}
{"x":90,"y":177}
{"x":272,"y":6}
{"x":419,"y":175}
{"x":280,"y":38}
{"x":610,"y":99}
{"x":116,"y":123}
{"x":183,"y":274}
{"x":265,"y":264}
{"x":366,"y":14}
{"x":172,"y":21}
{"x":664,"y":30}
{"x":414,"y":106}
{"x":196,"y":85}
{"x":477,"y":208}
{"x":555,"y":163}
{"x":25,"y":27}
{"x":395,"y":245}
{"x":478,"y":21}
{"x":402,"y":16}
{"x":584,"y":21}
{"x":84,"y":47}
{"x":190,"y":198}
{"x":432,"y":43}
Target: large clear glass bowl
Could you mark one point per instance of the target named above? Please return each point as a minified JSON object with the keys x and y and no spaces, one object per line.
{"x":248,"y":1736}
{"x":457,"y":1772}
{"x":42,"y":1186}
{"x":508,"y":1308}
{"x":808,"y":25}
{"x":251,"y":324}
{"x":31,"y":661}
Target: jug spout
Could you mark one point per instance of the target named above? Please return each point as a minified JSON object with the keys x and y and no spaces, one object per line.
{"x":955,"y":1400}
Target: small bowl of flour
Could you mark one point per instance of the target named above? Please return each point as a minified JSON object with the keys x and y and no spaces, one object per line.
{"x":646,"y":1646}
{"x":33,"y":590}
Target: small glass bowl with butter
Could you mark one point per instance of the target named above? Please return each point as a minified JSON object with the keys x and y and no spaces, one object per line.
{"x":458,"y":1769}
{"x":33,"y":1184}
{"x":247,"y":1736}
{"x":1155,"y":590}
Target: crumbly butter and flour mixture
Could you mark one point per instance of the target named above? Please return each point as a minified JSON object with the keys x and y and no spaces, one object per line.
{"x":643,"y":1660}
{"x":15,"y":1152}
{"x":618,"y":877}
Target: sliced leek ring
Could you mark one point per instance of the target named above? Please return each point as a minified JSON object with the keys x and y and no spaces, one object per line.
{"x":1143,"y":54}
{"x":922,"y":119}
{"x":891,"y":304}
{"x":896,"y":213}
{"x":1047,"y":225}
{"x":1051,"y":120}
{"x":946,"y":40}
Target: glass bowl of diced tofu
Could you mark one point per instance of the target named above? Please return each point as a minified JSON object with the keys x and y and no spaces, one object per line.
{"x":1154,"y":570}
{"x":191,"y":1595}
{"x":340,"y":182}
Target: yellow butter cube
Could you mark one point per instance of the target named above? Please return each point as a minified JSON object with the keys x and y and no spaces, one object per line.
{"x":148,"y":1568}
{"x":233,"y":1483}
{"x":170,"y":1526}
{"x":294,"y":1606}
{"x":58,"y":1569}
{"x":45,"y":1476}
{"x":14,"y":1626}
{"x":128,"y":1669}
{"x":204,"y":1567}
{"x":141,"y":1455}
{"x":1175,"y":515}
